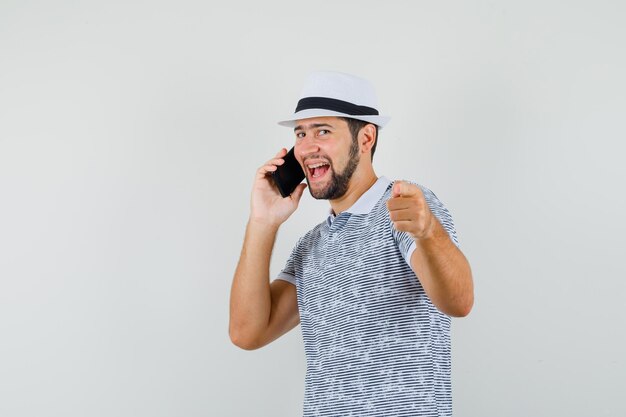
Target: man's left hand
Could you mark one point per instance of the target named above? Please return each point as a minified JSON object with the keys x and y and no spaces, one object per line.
{"x":409,"y":211}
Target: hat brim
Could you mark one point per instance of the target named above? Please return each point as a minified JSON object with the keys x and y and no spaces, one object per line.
{"x":379,"y":121}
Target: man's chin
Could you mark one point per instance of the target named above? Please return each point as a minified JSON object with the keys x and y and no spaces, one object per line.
{"x":319,"y":193}
{"x":326,"y":192}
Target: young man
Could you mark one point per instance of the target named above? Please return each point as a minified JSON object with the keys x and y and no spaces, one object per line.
{"x":373,"y":286}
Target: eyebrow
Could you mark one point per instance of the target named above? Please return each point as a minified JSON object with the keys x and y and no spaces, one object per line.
{"x":311,"y":126}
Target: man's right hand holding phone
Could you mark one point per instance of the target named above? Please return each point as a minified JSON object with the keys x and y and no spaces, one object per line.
{"x":266,"y":203}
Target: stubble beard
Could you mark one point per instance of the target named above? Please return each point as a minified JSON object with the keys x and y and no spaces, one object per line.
{"x":339,"y":182}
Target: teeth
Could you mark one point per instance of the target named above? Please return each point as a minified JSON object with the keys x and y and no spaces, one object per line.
{"x":318,"y":165}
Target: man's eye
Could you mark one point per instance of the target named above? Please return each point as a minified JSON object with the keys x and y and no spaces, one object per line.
{"x":323,"y":132}
{"x":300,"y":135}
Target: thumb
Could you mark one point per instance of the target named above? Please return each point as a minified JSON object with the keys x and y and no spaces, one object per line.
{"x":297,"y":193}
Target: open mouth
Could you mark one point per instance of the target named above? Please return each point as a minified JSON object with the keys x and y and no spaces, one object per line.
{"x":318,"y":170}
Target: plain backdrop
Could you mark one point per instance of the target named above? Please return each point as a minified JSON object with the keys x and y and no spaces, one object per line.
{"x":130,"y":132}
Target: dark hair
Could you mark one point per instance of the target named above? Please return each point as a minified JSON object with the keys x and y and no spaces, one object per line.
{"x":355,"y":127}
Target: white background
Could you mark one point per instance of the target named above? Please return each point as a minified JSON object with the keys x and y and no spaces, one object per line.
{"x":129,"y":136}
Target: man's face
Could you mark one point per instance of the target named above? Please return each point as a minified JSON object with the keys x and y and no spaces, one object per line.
{"x":328,"y":155}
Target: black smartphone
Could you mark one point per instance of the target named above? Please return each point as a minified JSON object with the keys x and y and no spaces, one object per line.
{"x":288,"y":175}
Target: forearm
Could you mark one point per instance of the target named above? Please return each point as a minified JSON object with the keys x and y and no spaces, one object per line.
{"x":250,"y":297}
{"x":444,"y":272}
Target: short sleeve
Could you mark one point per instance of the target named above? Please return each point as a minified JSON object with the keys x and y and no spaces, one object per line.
{"x":405,"y":242}
{"x":286,"y":276}
{"x":289,"y":271}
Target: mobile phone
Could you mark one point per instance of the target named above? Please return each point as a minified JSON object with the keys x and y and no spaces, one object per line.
{"x":288,"y":175}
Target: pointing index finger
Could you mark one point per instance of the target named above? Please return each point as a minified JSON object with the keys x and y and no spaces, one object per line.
{"x":403,"y":189}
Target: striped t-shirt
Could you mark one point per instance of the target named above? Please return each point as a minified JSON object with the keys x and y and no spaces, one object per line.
{"x":375,"y":344}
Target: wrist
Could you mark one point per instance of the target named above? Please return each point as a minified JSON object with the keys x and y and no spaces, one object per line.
{"x":433,"y":233}
{"x":263,"y":224}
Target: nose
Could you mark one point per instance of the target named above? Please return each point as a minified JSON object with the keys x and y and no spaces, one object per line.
{"x":306,"y":146}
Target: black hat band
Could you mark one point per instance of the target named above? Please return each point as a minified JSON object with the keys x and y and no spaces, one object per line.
{"x":335,"y":105}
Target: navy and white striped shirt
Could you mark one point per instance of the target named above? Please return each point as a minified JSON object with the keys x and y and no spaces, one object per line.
{"x":375,"y":344}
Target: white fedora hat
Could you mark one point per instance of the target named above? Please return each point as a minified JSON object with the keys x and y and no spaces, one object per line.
{"x":330,"y":93}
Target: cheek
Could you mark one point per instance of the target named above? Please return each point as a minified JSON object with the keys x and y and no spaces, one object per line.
{"x":297,"y":150}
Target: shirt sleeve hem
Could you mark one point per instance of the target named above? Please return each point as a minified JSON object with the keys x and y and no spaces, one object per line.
{"x":287,"y":277}
{"x":409,"y":252}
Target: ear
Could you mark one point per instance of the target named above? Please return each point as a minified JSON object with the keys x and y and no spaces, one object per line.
{"x":367,"y":137}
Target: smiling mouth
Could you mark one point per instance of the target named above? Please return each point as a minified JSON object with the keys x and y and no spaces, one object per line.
{"x":318,"y":170}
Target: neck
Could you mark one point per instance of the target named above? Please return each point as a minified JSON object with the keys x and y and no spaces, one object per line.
{"x":359,"y":184}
